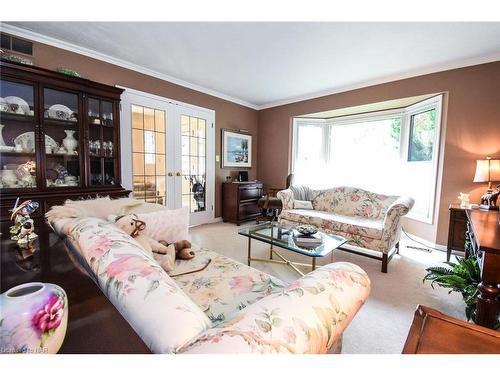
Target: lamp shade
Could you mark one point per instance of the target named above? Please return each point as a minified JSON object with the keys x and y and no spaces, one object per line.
{"x":487,"y":170}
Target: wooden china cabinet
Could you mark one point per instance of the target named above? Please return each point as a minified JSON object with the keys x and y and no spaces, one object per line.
{"x":60,"y":137}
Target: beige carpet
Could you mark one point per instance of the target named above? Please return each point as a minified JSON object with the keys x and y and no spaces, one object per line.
{"x":382,"y":324}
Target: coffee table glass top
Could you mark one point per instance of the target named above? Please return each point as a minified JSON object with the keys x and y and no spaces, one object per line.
{"x":282,"y":236}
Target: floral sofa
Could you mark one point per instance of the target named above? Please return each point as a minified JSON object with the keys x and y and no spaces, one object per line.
{"x":368,"y":220}
{"x":227,"y":307}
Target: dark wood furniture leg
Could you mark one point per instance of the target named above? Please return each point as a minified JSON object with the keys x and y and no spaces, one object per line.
{"x":385,"y":261}
{"x":397,"y":248}
{"x":456,"y":230}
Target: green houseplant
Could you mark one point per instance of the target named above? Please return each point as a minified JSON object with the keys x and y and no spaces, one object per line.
{"x":463,"y":277}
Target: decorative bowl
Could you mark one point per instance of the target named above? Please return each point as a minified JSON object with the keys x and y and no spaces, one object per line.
{"x":306,"y":229}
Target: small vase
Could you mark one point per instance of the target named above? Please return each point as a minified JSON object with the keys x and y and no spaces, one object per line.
{"x":2,"y":142}
{"x":33,"y":317}
{"x":70,"y":143}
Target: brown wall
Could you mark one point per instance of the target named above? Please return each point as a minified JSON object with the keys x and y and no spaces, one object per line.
{"x":227,"y":114}
{"x":471,"y":130}
{"x":471,"y":114}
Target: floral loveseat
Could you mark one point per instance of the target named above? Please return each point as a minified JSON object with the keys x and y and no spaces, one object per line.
{"x":368,"y":220}
{"x":227,"y":307}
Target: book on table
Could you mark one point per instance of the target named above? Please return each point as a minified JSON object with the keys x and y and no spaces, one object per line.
{"x":308,"y":239}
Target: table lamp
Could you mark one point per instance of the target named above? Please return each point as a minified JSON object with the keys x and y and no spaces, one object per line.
{"x":488,"y":170}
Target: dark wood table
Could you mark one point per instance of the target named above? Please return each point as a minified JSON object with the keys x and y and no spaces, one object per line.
{"x":484,"y":236}
{"x":94,"y":324}
{"x":433,"y":332}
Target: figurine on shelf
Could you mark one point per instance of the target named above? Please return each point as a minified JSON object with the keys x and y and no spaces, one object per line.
{"x":23,"y":230}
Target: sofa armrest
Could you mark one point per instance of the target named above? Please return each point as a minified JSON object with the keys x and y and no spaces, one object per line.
{"x":287,"y":199}
{"x":399,"y":208}
{"x":309,"y":316}
{"x":392,"y":221}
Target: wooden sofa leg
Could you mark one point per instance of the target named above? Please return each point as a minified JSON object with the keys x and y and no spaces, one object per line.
{"x":385,"y":261}
{"x":397,"y":248}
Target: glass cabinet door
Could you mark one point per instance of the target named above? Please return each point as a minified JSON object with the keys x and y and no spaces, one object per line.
{"x":18,"y":136}
{"x":102,"y":142}
{"x":61,"y":138}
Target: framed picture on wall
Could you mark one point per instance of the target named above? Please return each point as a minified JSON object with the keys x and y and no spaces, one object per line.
{"x":236,"y":149}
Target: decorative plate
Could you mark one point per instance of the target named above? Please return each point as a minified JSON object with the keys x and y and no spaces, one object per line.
{"x":56,"y":171}
{"x":306,"y":230}
{"x":61,"y":112}
{"x":17,"y":105}
{"x":27,"y":141}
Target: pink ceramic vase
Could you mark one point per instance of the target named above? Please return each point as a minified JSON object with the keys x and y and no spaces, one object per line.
{"x":33,"y":318}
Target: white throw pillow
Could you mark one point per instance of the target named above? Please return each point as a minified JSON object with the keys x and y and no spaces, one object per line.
{"x":303,"y":205}
{"x":167,"y":225}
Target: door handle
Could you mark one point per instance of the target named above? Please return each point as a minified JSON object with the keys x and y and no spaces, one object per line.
{"x":178,"y":174}
{"x":170,"y":174}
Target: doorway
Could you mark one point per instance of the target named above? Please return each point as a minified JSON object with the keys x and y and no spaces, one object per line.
{"x":168,"y":153}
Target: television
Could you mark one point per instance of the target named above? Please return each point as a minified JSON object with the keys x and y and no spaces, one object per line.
{"x":243,"y":176}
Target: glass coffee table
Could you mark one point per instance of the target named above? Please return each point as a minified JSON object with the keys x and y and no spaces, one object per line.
{"x":282,"y":236}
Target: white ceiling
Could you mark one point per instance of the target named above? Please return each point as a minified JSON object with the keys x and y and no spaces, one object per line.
{"x":266,"y":64}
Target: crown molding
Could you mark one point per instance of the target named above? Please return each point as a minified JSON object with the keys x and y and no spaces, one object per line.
{"x":40,"y":38}
{"x":391,"y":78}
{"x":31,"y":35}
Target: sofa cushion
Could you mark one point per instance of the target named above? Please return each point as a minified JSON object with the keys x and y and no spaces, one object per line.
{"x":333,"y":222}
{"x":351,"y":201}
{"x":225,"y":287}
{"x":166,"y":225}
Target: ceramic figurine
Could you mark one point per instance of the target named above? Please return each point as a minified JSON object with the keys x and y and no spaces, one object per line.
{"x":34,"y":318}
{"x":23,"y":230}
{"x":464,"y":200}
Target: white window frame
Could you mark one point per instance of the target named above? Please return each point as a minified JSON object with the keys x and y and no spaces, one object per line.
{"x":405,"y":113}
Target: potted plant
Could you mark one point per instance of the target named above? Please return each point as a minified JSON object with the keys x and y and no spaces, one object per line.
{"x":463,"y":277}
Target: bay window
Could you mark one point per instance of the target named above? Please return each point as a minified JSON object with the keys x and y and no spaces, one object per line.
{"x":391,"y":152}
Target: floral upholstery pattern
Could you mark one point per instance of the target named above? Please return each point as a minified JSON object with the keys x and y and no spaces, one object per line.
{"x":336,"y":223}
{"x":153,"y":304}
{"x":368,"y":220}
{"x":308,"y":316}
{"x":227,"y":307}
{"x":225,"y":287}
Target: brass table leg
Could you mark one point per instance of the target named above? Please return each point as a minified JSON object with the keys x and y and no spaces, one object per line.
{"x":271,"y":252}
{"x":249,"y":250}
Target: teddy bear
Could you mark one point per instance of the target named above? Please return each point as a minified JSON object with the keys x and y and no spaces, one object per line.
{"x":182,"y":249}
{"x":164,"y":255}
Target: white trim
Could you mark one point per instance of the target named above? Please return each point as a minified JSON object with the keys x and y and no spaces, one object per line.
{"x":436,"y":103}
{"x":164,"y":99}
{"x":24,"y":33}
{"x":31,"y":35}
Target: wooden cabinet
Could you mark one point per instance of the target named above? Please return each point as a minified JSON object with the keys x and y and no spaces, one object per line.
{"x":240,"y":201}
{"x":433,"y":332}
{"x":483,"y":241}
{"x":59,"y":137}
{"x":456,"y":230}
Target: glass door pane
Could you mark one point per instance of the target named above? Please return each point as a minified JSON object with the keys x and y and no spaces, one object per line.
{"x":18,"y":140}
{"x":149,"y":154}
{"x":61,"y":138}
{"x":193,"y":142}
{"x":102,"y":142}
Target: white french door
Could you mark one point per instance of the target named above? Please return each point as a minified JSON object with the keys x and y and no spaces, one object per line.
{"x":168,"y":153}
